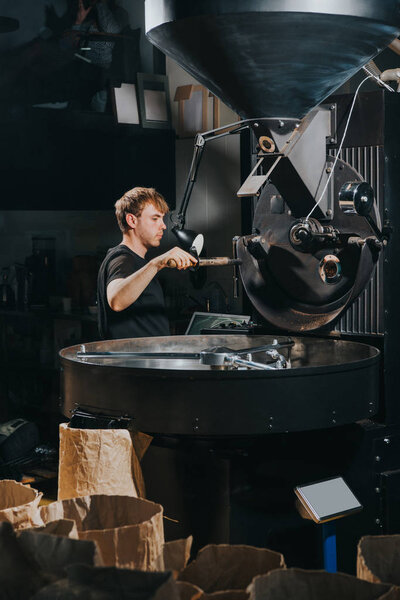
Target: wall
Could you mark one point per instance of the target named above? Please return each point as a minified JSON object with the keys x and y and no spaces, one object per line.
{"x":214,"y":209}
{"x":76,"y":232}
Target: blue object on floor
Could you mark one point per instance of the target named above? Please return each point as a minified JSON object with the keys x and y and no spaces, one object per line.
{"x":329,"y":546}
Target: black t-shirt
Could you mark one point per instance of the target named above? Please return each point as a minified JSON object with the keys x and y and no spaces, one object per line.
{"x":146,"y":317}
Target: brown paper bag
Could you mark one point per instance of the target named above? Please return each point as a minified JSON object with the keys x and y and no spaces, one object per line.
{"x":378,"y":559}
{"x":95,"y":461}
{"x":141,"y":441}
{"x":313,"y":585}
{"x":228,"y":595}
{"x":223,"y":567}
{"x":61,"y":528}
{"x":392,"y":594}
{"x":189,"y":591}
{"x":85,"y":583}
{"x":176,"y":554}
{"x":129,"y":531}
{"x":19,"y":504}
{"x":20,"y":576}
{"x":53,"y":554}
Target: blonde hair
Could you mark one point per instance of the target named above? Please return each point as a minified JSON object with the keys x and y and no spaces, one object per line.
{"x":134,"y":201}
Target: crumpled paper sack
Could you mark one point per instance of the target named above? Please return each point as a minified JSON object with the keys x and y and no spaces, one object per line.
{"x":19,"y":504}
{"x":222,"y":568}
{"x":129,"y":531}
{"x":317,"y":585}
{"x":378,"y":559}
{"x":100,"y":461}
{"x":91,"y":583}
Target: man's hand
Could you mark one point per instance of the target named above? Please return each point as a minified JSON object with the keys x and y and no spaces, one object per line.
{"x":82,"y":12}
{"x":183,"y":259}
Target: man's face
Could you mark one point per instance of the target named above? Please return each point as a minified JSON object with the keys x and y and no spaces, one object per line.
{"x":150,"y":226}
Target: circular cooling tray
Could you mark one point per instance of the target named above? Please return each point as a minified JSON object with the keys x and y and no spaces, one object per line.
{"x":331,"y":383}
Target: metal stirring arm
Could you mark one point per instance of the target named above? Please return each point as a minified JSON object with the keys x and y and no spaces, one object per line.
{"x":280,"y":363}
{"x":274,"y":346}
{"x":214,"y":357}
{"x":163,"y":355}
{"x":223,"y":357}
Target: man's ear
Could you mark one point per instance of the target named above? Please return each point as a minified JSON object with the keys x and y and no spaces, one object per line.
{"x":131,"y":220}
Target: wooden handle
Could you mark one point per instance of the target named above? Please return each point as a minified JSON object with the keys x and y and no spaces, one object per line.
{"x":217,"y":261}
{"x":395,"y":46}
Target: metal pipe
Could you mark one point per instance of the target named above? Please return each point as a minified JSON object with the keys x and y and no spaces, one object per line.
{"x":235,"y":275}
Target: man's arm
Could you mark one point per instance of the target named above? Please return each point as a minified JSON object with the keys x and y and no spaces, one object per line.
{"x":121,"y":293}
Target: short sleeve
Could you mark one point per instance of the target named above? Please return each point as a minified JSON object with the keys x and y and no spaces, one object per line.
{"x":121,"y":267}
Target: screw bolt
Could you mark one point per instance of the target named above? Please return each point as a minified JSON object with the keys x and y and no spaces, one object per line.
{"x":378,"y":521}
{"x":377,"y":459}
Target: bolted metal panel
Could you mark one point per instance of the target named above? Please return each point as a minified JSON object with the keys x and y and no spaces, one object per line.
{"x":365,"y":316}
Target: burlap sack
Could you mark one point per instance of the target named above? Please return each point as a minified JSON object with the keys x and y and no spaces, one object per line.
{"x":19,"y":504}
{"x":314,"y":585}
{"x":378,"y":559}
{"x":129,"y":531}
{"x":100,"y":461}
{"x":220,"y":568}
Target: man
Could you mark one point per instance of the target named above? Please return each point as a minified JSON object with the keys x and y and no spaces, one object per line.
{"x":129,"y":296}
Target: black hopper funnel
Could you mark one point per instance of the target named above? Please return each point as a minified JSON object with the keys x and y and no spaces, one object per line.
{"x":272,"y":58}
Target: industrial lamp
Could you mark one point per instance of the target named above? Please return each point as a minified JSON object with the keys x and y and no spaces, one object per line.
{"x":187,"y":238}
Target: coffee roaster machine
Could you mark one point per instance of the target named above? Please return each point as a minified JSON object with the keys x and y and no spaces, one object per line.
{"x":316,"y":395}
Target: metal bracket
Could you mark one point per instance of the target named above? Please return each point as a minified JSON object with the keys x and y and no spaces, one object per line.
{"x":331,"y":139}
